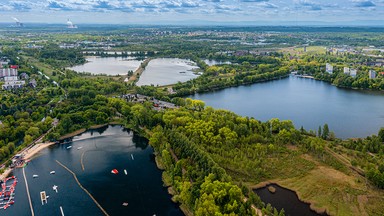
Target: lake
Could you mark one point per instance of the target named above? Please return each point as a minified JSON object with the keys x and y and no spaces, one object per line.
{"x":165,"y":71}
{"x":285,"y":199}
{"x":101,"y":151}
{"x":308,"y":103}
{"x":108,"y":65}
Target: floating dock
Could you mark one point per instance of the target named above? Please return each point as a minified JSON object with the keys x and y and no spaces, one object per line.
{"x":43,"y":197}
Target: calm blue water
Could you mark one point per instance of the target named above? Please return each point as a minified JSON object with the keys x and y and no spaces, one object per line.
{"x":308,"y":103}
{"x":285,"y":199}
{"x":102,"y":150}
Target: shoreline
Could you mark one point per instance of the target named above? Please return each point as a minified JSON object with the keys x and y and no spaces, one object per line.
{"x":30,"y":152}
{"x":311,"y":203}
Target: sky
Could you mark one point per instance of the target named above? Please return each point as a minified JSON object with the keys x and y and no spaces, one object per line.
{"x":179,"y":11}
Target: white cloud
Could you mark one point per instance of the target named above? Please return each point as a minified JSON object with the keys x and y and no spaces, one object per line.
{"x":216,"y":9}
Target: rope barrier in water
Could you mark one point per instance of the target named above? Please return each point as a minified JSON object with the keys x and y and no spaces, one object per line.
{"x":86,"y":191}
{"x":29,"y":196}
{"x":81,"y":161}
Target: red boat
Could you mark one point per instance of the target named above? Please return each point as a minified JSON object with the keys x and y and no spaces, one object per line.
{"x":114,"y":171}
{"x":7,"y":193}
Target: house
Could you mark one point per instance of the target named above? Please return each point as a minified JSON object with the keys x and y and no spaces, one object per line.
{"x":24,"y":76}
{"x":33,"y":83}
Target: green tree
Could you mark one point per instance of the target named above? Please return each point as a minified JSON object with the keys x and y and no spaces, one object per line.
{"x":325,"y":132}
{"x":381,"y":134}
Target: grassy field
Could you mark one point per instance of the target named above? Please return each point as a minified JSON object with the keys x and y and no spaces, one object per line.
{"x":300,"y":50}
{"x":338,"y":192}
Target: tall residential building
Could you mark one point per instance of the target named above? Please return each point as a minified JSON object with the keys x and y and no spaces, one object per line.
{"x":6,"y":72}
{"x":346,"y":70}
{"x":329,"y":68}
{"x":372,"y":74}
{"x":353,"y":72}
{"x":11,"y":80}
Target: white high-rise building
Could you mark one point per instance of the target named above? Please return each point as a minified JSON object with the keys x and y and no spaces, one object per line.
{"x":353,"y":72}
{"x":346,"y":70}
{"x":11,"y":80}
{"x":329,"y":68}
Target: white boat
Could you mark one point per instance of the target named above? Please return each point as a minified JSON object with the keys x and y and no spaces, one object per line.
{"x":125,"y":171}
{"x":69,"y":147}
{"x":35,"y":176}
{"x":52,"y":172}
{"x":78,"y":148}
{"x":55,"y":188}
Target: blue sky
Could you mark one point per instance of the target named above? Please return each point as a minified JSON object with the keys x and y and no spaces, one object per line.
{"x":158,"y":11}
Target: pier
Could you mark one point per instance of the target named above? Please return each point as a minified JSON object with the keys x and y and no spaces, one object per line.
{"x":29,"y":196}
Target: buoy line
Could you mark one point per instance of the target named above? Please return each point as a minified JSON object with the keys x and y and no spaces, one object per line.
{"x":86,"y":191}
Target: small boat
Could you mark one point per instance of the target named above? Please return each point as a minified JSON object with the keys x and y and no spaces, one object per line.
{"x":52,"y":172}
{"x":125,"y":171}
{"x":35,"y":176}
{"x":55,"y":188}
{"x":69,"y":147}
{"x":78,"y":148}
{"x":125,"y":204}
{"x":114,"y":171}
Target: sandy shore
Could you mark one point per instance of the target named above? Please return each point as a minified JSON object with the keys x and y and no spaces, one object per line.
{"x":5,"y":173}
{"x":28,"y":154}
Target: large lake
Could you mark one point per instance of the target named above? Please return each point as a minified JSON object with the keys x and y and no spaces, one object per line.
{"x":101,"y":151}
{"x":165,"y":71}
{"x":108,"y":65}
{"x":308,"y":103}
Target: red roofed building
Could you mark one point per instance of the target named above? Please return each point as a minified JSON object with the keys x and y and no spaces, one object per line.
{"x":14,"y":66}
